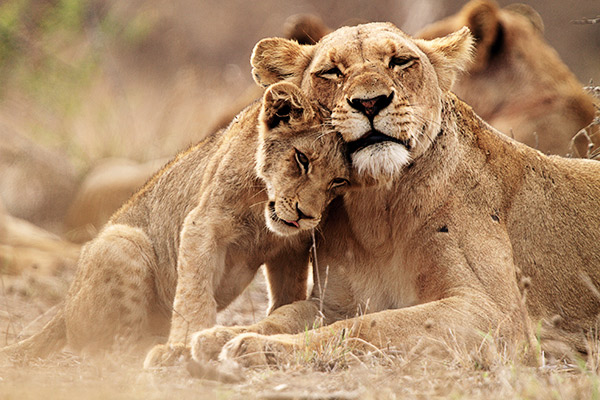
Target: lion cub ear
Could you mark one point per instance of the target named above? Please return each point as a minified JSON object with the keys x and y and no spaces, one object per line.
{"x":284,"y":103}
{"x":276,"y":59}
{"x":449,"y":55}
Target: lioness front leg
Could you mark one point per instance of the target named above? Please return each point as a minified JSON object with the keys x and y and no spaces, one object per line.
{"x":291,"y":318}
{"x":430,"y":327}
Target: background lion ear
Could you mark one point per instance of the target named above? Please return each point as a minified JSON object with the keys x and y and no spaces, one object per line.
{"x":276,"y":59}
{"x":449,"y":55}
{"x":528,"y":12}
{"x":284,"y":103}
{"x":305,"y":28}
{"x":481,"y":17}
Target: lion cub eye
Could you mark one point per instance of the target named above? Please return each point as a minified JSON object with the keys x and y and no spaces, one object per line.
{"x":338,"y":182}
{"x":401,"y":62}
{"x":332,"y":73}
{"x":302,"y":161}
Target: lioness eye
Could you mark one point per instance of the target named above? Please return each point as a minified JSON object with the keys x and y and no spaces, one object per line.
{"x":338,"y":182}
{"x":331,"y":73}
{"x":302,"y":160}
{"x":401,"y":62}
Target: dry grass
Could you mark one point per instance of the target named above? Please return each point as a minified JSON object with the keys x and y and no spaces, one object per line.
{"x":335,"y":371}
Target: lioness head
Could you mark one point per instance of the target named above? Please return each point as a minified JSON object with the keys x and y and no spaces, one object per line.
{"x":301,"y":160}
{"x":383,"y":88}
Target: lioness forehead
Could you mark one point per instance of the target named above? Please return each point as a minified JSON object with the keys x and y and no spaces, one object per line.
{"x":363,"y":41}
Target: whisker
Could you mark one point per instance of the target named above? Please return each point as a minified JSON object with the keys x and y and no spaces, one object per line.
{"x":262,"y":190}
{"x":259,"y":203}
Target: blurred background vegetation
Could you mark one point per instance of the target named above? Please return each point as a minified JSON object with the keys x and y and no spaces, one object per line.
{"x":142,"y":79}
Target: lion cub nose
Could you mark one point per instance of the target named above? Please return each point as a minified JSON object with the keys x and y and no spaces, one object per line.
{"x":371,"y":107}
{"x":302,"y":215}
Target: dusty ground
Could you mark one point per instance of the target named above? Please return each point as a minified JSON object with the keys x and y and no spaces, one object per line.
{"x":27,"y":302}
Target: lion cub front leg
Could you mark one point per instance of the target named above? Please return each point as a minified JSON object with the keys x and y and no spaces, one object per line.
{"x":200,"y":262}
{"x":287,"y":276}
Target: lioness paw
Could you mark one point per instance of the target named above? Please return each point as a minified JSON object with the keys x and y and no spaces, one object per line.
{"x":166,"y":355}
{"x":207,"y":344}
{"x":252,"y":349}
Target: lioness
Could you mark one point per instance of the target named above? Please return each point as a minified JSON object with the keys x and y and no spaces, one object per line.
{"x":452,"y":215}
{"x":51,"y":180}
{"x":192,"y":239}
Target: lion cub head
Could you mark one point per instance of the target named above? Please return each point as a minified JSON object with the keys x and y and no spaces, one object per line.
{"x":383,"y":88}
{"x":301,"y":161}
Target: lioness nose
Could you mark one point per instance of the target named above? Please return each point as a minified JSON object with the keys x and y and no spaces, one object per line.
{"x":371,"y":107}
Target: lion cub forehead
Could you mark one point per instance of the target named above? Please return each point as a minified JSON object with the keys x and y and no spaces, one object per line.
{"x":363,"y":42}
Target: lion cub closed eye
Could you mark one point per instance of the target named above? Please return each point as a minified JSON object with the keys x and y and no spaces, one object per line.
{"x":188,"y":243}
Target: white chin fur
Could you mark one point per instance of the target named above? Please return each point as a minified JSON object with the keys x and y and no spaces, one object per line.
{"x":385,"y":159}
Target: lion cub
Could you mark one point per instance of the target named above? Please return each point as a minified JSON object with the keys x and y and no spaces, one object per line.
{"x":189,"y":242}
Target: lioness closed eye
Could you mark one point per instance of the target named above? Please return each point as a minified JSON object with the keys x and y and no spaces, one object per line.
{"x":193,"y":238}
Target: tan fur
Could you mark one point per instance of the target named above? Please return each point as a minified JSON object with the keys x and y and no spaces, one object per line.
{"x":26,"y":248}
{"x":36,"y":184}
{"x":192,"y":239}
{"x":303,"y":28}
{"x":110,"y":183}
{"x":432,"y":250}
{"x":105,"y":188}
{"x":518,"y":83}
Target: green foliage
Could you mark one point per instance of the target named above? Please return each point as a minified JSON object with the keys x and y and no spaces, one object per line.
{"x":10,"y":13}
{"x":32,"y":35}
{"x":65,"y":15}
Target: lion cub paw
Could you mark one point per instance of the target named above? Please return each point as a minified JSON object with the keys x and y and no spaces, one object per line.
{"x":207,"y":344}
{"x":252,"y":349}
{"x":166,"y":355}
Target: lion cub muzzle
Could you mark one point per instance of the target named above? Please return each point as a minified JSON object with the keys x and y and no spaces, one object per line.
{"x":286,"y":218}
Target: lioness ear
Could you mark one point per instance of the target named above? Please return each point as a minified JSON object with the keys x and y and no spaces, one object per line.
{"x":284,"y":103}
{"x":276,"y":59}
{"x":449,"y":55}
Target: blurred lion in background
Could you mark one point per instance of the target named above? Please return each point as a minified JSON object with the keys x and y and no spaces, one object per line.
{"x":517,"y":82}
